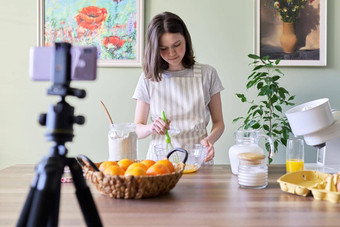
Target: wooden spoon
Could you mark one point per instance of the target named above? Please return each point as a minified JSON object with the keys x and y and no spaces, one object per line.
{"x":107,"y":113}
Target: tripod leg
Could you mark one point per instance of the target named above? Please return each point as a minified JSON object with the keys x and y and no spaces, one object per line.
{"x":84,"y":195}
{"x":26,"y":209}
{"x":54,"y":213}
{"x":45,"y":203}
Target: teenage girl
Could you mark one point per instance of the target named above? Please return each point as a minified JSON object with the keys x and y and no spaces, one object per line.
{"x":172,"y":81}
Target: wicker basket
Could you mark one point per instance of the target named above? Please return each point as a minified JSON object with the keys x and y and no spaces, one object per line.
{"x":130,"y":187}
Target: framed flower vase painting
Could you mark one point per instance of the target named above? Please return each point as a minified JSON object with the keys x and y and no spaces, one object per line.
{"x":115,"y":27}
{"x":294,"y":31}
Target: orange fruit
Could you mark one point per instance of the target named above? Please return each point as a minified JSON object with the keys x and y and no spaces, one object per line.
{"x":106,"y":164}
{"x":124,"y":163}
{"x":148,"y":163}
{"x":168,"y":164}
{"x":114,"y":170}
{"x":135,"y":170}
{"x":158,"y":169}
{"x":137,"y":164}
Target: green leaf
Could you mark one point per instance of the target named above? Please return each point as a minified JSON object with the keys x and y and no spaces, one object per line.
{"x":250,"y":84}
{"x":260,"y":75}
{"x":263,"y":90}
{"x":255,"y":126}
{"x":275,"y":78}
{"x":252,"y":108}
{"x":276,"y":131}
{"x":247,"y":119}
{"x":282,"y":93}
{"x":252,"y":122}
{"x":268,"y":146}
{"x":246,"y":127}
{"x":259,"y":85}
{"x":273,"y":99}
{"x":266,"y":127}
{"x":259,"y":112}
{"x":282,"y":90}
{"x":258,"y":67}
{"x":270,"y":160}
{"x":236,"y":119}
{"x":277,"y":61}
{"x":266,"y":58}
{"x":283,"y":141}
{"x":279,"y":71}
{"x":278,"y":108}
{"x":291,"y":98}
{"x":240,"y":95}
{"x":275,"y":115}
{"x":253,"y":56}
{"x":276,"y":145}
{"x":251,"y":75}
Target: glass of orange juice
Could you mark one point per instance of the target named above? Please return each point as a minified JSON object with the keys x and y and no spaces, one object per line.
{"x":294,"y":155}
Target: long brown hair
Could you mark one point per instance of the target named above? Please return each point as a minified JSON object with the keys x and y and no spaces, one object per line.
{"x":164,"y":22}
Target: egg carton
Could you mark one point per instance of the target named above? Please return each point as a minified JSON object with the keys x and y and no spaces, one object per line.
{"x":322,"y":186}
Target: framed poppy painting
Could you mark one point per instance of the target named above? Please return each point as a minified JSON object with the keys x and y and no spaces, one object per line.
{"x":115,"y":27}
{"x":294,"y":31}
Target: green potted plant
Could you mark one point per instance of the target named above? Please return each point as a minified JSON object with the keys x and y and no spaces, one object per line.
{"x":265,"y":114}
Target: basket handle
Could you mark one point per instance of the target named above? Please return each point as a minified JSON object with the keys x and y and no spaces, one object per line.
{"x":180,"y":150}
{"x":80,"y":158}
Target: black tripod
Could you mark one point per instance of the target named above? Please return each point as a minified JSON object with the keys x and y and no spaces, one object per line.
{"x":42,"y":204}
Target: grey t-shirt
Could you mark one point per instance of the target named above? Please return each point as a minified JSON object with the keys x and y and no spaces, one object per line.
{"x":210,"y":80}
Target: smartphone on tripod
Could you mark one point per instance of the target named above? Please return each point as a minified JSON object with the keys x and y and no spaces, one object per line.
{"x":83,"y":63}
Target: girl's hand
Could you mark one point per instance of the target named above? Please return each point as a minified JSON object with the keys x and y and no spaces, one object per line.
{"x":159,"y":126}
{"x":210,"y":149}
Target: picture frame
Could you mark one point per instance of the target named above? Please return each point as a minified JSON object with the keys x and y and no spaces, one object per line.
{"x":309,"y":24}
{"x":114,"y":27}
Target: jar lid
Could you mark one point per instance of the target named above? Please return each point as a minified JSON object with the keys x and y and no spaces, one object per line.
{"x":251,"y":156}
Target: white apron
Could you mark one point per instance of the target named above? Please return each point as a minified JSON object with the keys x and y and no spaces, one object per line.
{"x":182,"y":100}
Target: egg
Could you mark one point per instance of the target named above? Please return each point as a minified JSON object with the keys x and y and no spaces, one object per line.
{"x":337,"y":182}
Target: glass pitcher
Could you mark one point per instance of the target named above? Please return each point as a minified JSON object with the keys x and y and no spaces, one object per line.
{"x":246,"y":141}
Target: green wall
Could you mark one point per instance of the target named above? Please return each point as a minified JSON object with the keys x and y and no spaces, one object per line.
{"x":222,"y":33}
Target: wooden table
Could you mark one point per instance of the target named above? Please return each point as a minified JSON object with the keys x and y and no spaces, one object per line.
{"x":210,"y":197}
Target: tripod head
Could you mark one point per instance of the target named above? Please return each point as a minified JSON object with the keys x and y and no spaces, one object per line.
{"x":60,"y":117}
